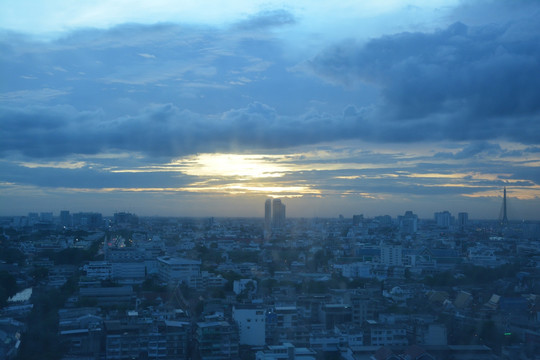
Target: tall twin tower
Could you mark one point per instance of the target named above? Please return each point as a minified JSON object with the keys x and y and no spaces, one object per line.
{"x":274,"y":216}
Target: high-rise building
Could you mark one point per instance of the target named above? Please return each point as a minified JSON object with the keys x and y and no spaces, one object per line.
{"x":408,"y":223}
{"x":392,"y":255}
{"x":125,"y":218}
{"x":267,"y":218}
{"x":65,"y":218}
{"x":46,"y":217}
{"x":90,"y":220}
{"x":357,"y":220}
{"x":278,"y":214}
{"x":443,"y":219}
{"x":463,"y":219}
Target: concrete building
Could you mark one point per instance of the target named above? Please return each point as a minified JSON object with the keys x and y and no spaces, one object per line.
{"x":88,"y":220}
{"x":281,"y":324}
{"x":267,"y":218}
{"x":408,"y":223}
{"x":126,"y":262}
{"x":392,"y":255}
{"x":80,"y":330}
{"x":251,"y":321}
{"x":286,"y":351}
{"x":391,"y":335}
{"x":106,"y":296}
{"x":133,"y":340}
{"x":443,"y":219}
{"x":217,"y":340}
{"x":178,"y":270}
{"x":463,"y":220}
{"x":101,"y":270}
{"x":335,"y":314}
{"x":65,"y":218}
{"x":278,"y":214}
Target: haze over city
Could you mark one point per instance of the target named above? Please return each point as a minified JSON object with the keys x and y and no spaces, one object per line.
{"x":189,"y":108}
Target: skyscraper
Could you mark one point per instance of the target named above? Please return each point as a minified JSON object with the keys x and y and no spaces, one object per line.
{"x":267,"y":218}
{"x":278,"y":214}
{"x":443,"y":219}
{"x":463,"y":219}
{"x":65,"y":218}
{"x":408,"y":223}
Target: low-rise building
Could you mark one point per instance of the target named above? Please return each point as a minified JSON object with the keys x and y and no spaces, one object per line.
{"x":216,"y":340}
{"x":178,"y":270}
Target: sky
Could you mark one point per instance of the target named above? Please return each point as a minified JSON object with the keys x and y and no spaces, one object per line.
{"x":207,"y":108}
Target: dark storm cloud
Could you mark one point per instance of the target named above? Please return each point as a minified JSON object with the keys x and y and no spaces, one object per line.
{"x":460,"y":83}
{"x":163,"y":130}
{"x":170,"y":90}
{"x":49,"y":131}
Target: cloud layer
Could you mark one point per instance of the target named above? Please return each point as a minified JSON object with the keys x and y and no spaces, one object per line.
{"x":460,"y":83}
{"x":444,"y":108}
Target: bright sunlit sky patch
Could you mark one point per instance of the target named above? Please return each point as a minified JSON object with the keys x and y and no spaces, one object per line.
{"x":207,"y":108}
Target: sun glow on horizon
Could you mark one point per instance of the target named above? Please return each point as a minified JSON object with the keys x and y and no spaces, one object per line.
{"x":232,"y":165}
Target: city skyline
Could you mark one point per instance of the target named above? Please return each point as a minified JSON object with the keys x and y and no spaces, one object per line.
{"x":274,"y":216}
{"x":191,"y":109}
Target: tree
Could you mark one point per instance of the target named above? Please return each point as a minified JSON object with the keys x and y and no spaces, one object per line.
{"x":39,"y":273}
{"x":11,"y":255}
{"x":8,"y":287}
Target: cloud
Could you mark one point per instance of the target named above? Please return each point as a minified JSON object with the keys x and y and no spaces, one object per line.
{"x":466,"y":83}
{"x":458,"y":83}
{"x":40,"y":95}
{"x":163,"y":130}
{"x":147,"y":56}
{"x":472,"y":150}
{"x":267,"y":19}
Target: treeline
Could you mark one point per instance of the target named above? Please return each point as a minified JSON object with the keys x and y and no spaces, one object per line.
{"x":8,"y":287}
{"x":73,"y":256}
{"x":41,"y":339}
{"x":472,"y":275}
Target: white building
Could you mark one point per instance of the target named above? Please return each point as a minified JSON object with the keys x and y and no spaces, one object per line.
{"x":251,"y":322}
{"x":392,"y":255}
{"x":179,"y":270}
{"x":483,"y":256}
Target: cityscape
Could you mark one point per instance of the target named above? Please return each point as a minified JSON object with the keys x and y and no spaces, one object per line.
{"x":87,"y":286}
{"x":270,"y":180}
